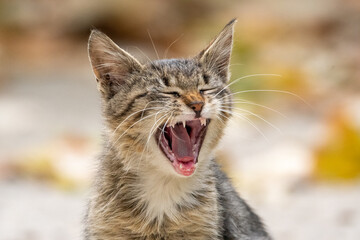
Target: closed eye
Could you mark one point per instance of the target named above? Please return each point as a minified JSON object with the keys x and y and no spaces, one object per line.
{"x":175,"y":94}
{"x":205,"y":90}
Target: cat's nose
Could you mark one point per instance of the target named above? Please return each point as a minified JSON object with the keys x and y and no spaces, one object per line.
{"x":197,"y":107}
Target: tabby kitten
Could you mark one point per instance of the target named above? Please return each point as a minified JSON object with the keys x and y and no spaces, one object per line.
{"x":157,"y":177}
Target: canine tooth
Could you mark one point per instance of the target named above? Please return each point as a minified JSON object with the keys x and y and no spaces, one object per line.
{"x":203,"y":121}
{"x":171,"y":124}
{"x":184,"y":124}
{"x":181,"y":166}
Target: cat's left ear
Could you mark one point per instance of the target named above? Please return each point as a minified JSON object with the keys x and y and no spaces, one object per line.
{"x":216,"y":57}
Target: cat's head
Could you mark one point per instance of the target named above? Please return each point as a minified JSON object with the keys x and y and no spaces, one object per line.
{"x":166,"y":115}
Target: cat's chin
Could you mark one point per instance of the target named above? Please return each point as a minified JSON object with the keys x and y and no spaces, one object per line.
{"x":181,"y":143}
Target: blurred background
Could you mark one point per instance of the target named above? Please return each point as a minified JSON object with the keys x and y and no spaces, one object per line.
{"x":292,"y":148}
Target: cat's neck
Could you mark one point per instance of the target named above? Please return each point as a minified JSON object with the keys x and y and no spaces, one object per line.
{"x":162,"y":194}
{"x":165,"y":193}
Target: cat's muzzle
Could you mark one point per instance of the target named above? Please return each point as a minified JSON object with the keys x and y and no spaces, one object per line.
{"x":181,"y":143}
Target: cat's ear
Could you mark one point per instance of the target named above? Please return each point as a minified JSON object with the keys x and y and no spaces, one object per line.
{"x":111,"y":64}
{"x":216,"y":56}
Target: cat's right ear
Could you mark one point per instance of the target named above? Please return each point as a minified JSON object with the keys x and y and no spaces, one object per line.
{"x":111,"y":64}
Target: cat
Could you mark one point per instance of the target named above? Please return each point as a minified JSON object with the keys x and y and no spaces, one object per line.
{"x":157,"y":177}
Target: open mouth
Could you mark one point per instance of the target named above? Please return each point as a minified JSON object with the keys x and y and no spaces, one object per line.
{"x":181,"y":143}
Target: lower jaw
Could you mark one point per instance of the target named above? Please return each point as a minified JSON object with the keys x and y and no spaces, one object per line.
{"x":184,"y":168}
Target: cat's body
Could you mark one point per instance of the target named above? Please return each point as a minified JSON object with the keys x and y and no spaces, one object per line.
{"x":157,"y":178}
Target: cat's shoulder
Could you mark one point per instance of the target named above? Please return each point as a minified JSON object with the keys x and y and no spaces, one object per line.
{"x":239,"y":220}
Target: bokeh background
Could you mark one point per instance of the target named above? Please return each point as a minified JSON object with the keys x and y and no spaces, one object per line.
{"x":292,"y":148}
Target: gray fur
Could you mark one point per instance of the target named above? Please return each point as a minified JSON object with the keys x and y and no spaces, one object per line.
{"x":136,"y":193}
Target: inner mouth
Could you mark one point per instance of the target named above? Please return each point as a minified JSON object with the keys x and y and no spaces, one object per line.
{"x":181,"y":143}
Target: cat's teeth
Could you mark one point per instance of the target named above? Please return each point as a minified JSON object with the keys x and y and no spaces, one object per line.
{"x":184,"y":123}
{"x":171,"y":124}
{"x":181,"y":166}
{"x":203,"y":121}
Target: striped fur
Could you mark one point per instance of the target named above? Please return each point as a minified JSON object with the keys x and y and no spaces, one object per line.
{"x":136,"y":193}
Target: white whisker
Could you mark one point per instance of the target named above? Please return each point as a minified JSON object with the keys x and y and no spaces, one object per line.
{"x":247,"y":76}
{"x":258,"y":116}
{"x":151,"y":132}
{"x":246,"y":119}
{"x":142,"y":119}
{"x":168,"y":48}
{"x":142,"y":52}
{"x":152,"y":42}
{"x":270,"y":90}
{"x":142,"y":110}
{"x":259,"y":105}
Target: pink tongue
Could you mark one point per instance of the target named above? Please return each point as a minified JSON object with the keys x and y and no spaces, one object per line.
{"x":181,"y":144}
